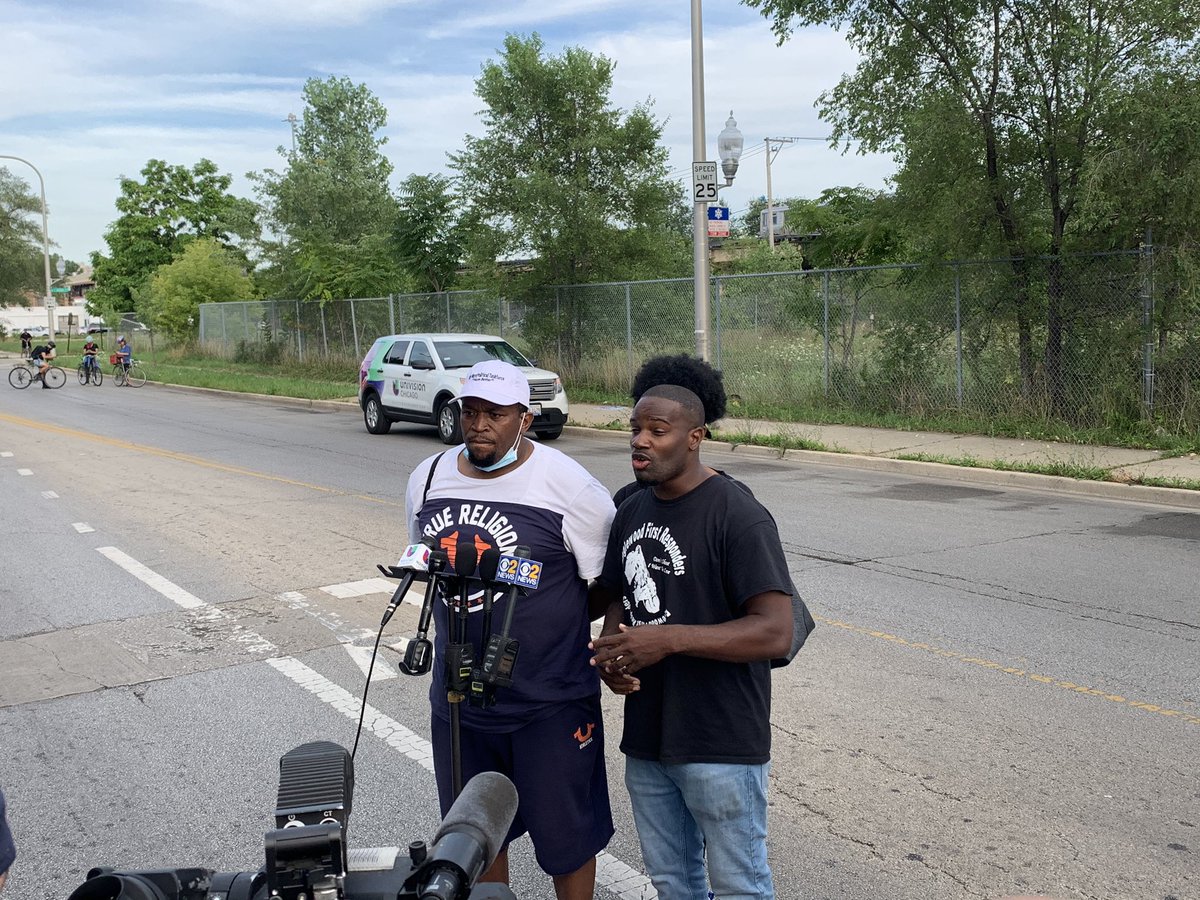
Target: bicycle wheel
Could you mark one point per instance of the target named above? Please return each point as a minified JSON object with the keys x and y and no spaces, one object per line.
{"x":55,"y":377}
{"x":118,"y":375}
{"x":136,"y":376}
{"x":82,"y":373}
{"x":97,"y":376}
{"x":20,"y":377}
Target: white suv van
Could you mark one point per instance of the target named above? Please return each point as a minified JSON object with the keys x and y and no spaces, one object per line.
{"x":413,"y":377}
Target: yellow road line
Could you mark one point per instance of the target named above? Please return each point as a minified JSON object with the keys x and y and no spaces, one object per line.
{"x":183,"y":457}
{"x":1187,"y":717}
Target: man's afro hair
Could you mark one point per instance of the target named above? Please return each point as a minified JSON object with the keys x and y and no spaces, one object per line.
{"x":687,"y":372}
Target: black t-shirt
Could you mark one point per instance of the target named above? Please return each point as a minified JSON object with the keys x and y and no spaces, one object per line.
{"x":38,"y":352}
{"x":695,"y":561}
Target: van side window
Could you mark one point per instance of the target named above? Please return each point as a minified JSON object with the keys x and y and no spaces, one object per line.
{"x":395,"y":355}
{"x":420,"y":358}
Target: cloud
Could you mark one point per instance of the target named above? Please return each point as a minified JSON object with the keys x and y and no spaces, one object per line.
{"x":132,"y":80}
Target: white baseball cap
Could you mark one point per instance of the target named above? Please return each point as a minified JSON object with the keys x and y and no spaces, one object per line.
{"x":497,"y":382}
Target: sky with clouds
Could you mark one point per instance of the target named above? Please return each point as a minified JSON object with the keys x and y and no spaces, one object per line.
{"x":92,"y":89}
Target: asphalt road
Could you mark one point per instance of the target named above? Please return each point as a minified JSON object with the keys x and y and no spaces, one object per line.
{"x":1001,"y":696}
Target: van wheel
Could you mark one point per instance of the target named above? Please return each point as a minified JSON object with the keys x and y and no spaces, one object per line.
{"x":447,"y":423}
{"x":550,"y":434}
{"x":374,"y":417}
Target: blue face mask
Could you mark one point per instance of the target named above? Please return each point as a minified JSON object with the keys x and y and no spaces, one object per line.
{"x":506,"y":460}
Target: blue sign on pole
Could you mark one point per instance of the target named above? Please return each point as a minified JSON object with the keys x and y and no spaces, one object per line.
{"x":718,"y":221}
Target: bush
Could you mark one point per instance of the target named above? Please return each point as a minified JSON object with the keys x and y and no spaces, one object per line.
{"x":266,"y":353}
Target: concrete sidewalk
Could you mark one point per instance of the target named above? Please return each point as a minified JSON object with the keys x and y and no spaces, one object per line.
{"x":945,"y":455}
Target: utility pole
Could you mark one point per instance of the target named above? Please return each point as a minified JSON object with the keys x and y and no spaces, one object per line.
{"x":781,"y":141}
{"x":291,"y":120}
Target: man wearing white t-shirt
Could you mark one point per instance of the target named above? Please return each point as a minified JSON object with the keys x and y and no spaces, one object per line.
{"x":501,"y":490}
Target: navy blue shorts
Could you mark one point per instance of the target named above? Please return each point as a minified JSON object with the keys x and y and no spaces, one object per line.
{"x":557,"y":765}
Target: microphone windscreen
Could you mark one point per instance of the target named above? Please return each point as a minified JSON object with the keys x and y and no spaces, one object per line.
{"x":489,"y":564}
{"x":484,"y":810}
{"x":465,"y":558}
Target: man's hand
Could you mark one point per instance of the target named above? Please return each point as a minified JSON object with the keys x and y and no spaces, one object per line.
{"x":632,"y":649}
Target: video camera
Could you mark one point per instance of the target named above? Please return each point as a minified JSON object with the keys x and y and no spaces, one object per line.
{"x":307,"y":857}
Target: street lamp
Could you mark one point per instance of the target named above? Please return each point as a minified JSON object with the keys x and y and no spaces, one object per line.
{"x":730,"y":147}
{"x":45,"y":243}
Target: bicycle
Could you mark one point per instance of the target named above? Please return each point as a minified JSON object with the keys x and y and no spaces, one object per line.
{"x":89,"y":371}
{"x":131,"y":375}
{"x":23,"y":375}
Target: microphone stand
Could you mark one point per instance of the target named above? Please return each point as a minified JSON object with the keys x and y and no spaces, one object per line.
{"x":459,"y":657}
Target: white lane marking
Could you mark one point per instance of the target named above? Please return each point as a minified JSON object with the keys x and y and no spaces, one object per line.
{"x":50,"y":495}
{"x":360,"y":588}
{"x":396,"y":735}
{"x":82,"y":527}
{"x":362,"y":658}
{"x":611,"y":873}
{"x":24,"y":471}
{"x":168,"y":589}
{"x":342,"y":631}
{"x":204,"y":612}
{"x":346,"y":634}
{"x":6,"y":454}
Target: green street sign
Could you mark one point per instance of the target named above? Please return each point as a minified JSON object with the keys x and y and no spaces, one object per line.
{"x":55,"y":290}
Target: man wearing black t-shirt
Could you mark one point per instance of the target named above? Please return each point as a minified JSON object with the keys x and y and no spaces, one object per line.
{"x":697,"y":599}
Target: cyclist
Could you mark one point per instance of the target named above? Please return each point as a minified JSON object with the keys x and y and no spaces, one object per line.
{"x":125,"y":354}
{"x":26,"y":343}
{"x":43,"y":355}
{"x":90,"y":349}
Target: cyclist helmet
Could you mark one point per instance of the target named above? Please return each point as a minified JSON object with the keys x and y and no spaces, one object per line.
{"x":50,"y":343}
{"x":120,"y":338}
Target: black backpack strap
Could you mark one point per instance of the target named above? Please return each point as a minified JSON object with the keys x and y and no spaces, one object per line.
{"x":429,"y":480}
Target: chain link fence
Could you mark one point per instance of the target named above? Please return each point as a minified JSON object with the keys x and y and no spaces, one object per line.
{"x":1095,"y":341}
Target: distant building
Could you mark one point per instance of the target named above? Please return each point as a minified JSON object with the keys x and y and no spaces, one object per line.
{"x":80,"y":283}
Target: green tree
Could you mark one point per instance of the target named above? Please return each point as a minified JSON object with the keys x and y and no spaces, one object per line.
{"x":159,"y":216}
{"x":428,"y":237}
{"x":996,"y":110}
{"x":204,"y":272}
{"x":21,"y":265}
{"x":852,"y":227}
{"x":562,"y":176}
{"x":331,"y":205}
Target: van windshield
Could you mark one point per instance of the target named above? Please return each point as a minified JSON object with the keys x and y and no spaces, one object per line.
{"x":464,"y":354}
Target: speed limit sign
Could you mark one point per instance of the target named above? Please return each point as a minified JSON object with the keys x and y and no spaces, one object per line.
{"x":704,"y":182}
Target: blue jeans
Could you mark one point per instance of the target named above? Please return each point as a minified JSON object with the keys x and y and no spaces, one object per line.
{"x":687,"y":811}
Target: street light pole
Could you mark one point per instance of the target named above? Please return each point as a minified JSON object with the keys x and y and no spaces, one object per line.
{"x":700,"y":207}
{"x":45,"y":244}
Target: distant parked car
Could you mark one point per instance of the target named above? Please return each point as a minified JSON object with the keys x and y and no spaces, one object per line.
{"x":95,"y":329}
{"x":413,"y":378}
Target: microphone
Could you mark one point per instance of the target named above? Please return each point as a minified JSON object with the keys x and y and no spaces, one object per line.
{"x":500,"y":654}
{"x":466,"y":556}
{"x":469,"y":838}
{"x":482,"y":694}
{"x":460,"y":655}
{"x":412,"y":565}
{"x":489,"y":563}
{"x":418,"y":655}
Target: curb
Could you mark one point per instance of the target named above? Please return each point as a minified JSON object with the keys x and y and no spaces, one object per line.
{"x":329,"y":405}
